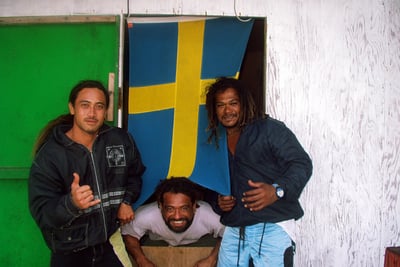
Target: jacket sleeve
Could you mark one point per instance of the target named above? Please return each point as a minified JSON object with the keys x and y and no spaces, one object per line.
{"x":136,"y":169}
{"x":292,"y":158}
{"x":50,"y":202}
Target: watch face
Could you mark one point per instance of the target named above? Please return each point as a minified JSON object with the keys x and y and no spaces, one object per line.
{"x":280,"y":192}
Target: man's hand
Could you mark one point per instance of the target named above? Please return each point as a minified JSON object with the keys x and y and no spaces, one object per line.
{"x":212,"y":259}
{"x":82,"y":196}
{"x":125,"y":213}
{"x":206,"y":262}
{"x":260,"y":197}
{"x":226,"y":203}
{"x":146,"y":263}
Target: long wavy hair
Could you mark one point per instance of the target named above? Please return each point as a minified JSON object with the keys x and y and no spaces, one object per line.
{"x":248,"y":109}
{"x":68,"y":118}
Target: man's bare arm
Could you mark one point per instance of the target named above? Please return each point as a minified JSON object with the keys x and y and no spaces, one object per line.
{"x":212,"y":259}
{"x":134,"y":248}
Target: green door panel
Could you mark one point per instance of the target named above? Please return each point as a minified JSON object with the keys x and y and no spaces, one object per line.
{"x":39,"y":64}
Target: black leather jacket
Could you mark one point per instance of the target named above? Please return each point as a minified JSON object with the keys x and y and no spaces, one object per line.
{"x":113,"y":170}
{"x":267,"y":151}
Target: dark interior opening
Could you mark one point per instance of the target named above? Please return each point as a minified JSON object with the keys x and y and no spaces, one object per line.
{"x":252,"y":71}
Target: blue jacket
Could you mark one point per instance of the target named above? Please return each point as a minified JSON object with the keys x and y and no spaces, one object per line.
{"x":113,"y":170}
{"x":267,"y":151}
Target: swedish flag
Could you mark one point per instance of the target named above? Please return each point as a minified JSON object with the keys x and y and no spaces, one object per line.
{"x":172,"y":60}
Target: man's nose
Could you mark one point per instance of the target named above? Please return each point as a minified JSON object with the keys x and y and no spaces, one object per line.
{"x":227,"y":108}
{"x":177,"y":214}
{"x":91,"y":111}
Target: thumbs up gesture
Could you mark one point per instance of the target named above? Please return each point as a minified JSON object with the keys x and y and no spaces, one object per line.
{"x":82,"y":196}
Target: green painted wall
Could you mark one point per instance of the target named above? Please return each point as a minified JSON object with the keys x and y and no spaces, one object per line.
{"x":21,"y":241}
{"x":39,"y":64}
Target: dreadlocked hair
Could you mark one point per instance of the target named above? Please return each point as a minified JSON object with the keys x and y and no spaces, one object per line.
{"x":249,"y":110}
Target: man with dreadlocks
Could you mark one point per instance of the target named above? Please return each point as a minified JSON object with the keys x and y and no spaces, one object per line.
{"x":178,"y":217}
{"x":268,"y":171}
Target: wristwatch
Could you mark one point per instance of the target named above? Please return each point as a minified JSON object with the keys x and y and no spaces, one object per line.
{"x":280,"y":193}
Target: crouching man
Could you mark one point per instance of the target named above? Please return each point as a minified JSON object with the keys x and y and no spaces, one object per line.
{"x":177,"y":217}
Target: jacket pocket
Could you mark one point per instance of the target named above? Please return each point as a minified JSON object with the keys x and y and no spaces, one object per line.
{"x":70,"y":239}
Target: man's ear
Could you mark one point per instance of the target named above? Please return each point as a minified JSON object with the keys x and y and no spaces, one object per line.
{"x":71,"y":109}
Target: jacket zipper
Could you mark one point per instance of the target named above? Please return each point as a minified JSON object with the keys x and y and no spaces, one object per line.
{"x":100,"y":194}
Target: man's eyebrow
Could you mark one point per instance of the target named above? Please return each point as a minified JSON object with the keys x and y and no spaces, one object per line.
{"x":88,"y":101}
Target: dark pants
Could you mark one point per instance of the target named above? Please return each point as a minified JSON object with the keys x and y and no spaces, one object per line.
{"x":101,"y":255}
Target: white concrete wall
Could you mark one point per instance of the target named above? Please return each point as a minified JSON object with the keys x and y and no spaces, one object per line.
{"x":333,"y":71}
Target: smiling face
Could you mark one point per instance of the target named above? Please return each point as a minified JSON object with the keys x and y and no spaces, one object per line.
{"x":227,"y":106}
{"x":89,"y":111}
{"x":177,"y":211}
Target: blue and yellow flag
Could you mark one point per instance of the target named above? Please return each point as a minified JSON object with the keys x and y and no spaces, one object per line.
{"x":172,"y":60}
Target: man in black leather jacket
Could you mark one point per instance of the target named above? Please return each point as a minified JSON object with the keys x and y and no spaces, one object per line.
{"x":83,"y":180}
{"x":268,"y":171}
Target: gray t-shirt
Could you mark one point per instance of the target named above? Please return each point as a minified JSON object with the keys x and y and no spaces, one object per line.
{"x":148,"y":220}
